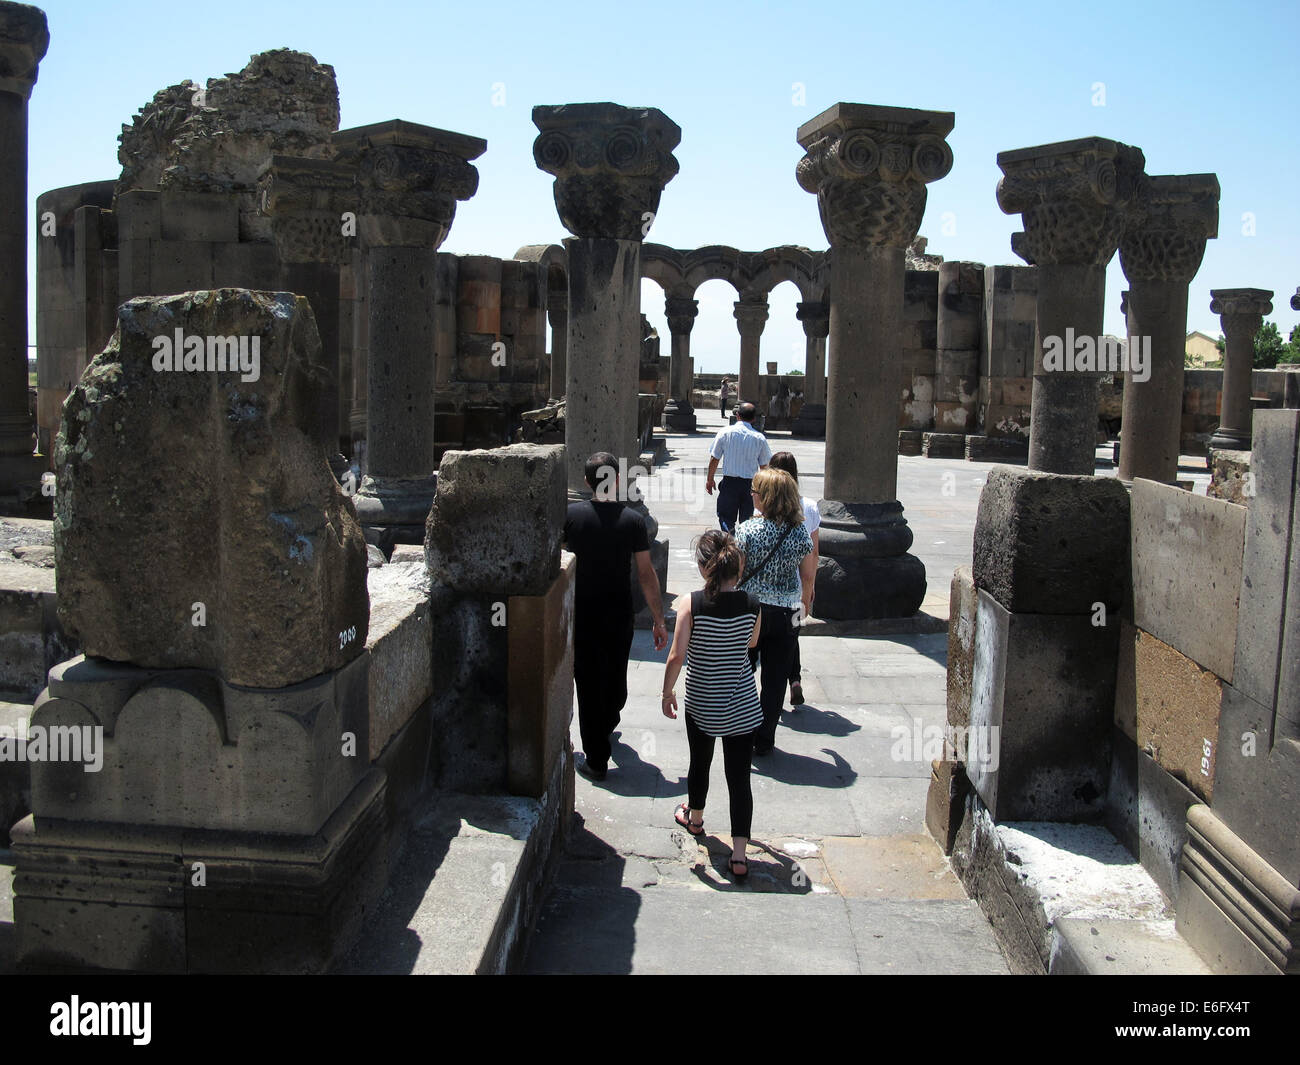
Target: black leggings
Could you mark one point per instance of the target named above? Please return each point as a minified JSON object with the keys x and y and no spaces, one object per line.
{"x":737,"y":751}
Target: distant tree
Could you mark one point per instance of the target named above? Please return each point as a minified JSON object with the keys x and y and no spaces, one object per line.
{"x":796,"y":373}
{"x":1269,"y":346}
{"x":1291,"y":353}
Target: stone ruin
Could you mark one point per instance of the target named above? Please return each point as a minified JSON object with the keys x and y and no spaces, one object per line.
{"x":274,"y":713}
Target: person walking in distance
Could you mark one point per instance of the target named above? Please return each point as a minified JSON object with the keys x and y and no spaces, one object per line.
{"x":715,"y":627}
{"x":779,"y":574}
{"x":812,"y":519}
{"x":724,"y":395}
{"x":743,"y":451}
{"x":607,"y":536}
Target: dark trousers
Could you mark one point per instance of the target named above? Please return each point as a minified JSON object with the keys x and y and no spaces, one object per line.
{"x":736,"y":754}
{"x":722,"y":406}
{"x":602,"y":642}
{"x":795,"y":668}
{"x":775,"y":651}
{"x":735,"y":504}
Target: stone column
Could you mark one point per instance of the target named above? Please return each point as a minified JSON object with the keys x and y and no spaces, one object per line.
{"x":751,"y":316}
{"x":957,"y":348}
{"x":24,"y":39}
{"x":1072,"y":196}
{"x":557,"y":313}
{"x":610,"y":165}
{"x":1161,"y":250}
{"x":681,"y":312}
{"x":816,"y":319}
{"x":305,"y":199}
{"x":409,"y":178}
{"x":1241,"y":312}
{"x":868,"y":166}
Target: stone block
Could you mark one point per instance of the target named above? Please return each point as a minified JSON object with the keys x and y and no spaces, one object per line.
{"x":909,"y":441}
{"x":247,"y":265}
{"x":139,"y":215}
{"x":400,"y":647}
{"x":15,"y":775}
{"x":256,"y":564}
{"x":943,"y":445}
{"x":1230,"y":478}
{"x":540,"y":649}
{"x":1046,"y":683}
{"x":996,"y":449}
{"x":1052,"y":543}
{"x":955,"y":418}
{"x":1146,"y":809}
{"x":962,"y":603}
{"x":32,"y":641}
{"x":1187,"y":571}
{"x":134,"y":277}
{"x":497,"y":519}
{"x":1017,"y":391}
{"x":1169,"y":706}
{"x":199,"y":216}
{"x":184,"y":748}
{"x":478,"y":300}
{"x":945,"y":801}
{"x":179,"y":266}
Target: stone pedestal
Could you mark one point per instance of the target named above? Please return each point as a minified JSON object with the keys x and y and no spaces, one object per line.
{"x":233,"y":822}
{"x":1072,"y":197}
{"x":868,"y":167}
{"x":681,"y":312}
{"x":408,"y":180}
{"x":751,"y":316}
{"x":1241,"y":311}
{"x":24,"y":39}
{"x":1161,"y":250}
{"x":610,"y":165}
{"x":811,"y":419}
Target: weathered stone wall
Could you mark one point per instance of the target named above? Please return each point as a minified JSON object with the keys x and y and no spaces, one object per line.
{"x":920,"y":340}
{"x":1007,"y":350}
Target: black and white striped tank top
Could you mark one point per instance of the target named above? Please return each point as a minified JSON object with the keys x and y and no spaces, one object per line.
{"x":721,"y":695}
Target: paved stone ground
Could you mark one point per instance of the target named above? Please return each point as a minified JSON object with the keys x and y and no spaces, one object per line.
{"x":843,"y":876}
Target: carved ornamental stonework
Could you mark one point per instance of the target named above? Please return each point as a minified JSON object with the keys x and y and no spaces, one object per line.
{"x":868,"y":167}
{"x":1241,"y":311}
{"x":408,"y":180}
{"x":1072,"y":197}
{"x":306,"y":200}
{"x":681,"y":312}
{"x":24,"y":40}
{"x":1171,"y":218}
{"x":611,"y":164}
{"x":751,"y":314}
{"x":816,"y":318}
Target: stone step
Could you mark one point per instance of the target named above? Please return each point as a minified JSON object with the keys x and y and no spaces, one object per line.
{"x":1105,"y":946}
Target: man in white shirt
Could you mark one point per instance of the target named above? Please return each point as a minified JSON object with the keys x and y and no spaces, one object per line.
{"x":743,"y":451}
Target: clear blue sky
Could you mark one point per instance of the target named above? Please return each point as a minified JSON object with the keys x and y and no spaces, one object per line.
{"x":1199,"y":87}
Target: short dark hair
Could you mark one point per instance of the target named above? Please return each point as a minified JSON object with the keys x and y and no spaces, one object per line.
{"x":599,"y":461}
{"x":746,"y":411}
{"x":783,"y":460}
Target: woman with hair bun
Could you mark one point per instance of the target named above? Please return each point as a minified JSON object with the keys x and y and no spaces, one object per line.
{"x":716,"y":626}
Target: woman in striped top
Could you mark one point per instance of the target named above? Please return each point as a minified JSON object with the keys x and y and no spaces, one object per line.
{"x":715,"y":629}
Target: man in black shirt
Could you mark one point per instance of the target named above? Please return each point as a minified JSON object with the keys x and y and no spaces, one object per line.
{"x":606,"y":535}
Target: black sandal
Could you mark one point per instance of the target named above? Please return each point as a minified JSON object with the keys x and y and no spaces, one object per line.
{"x":733,"y":862}
{"x":686,"y":822}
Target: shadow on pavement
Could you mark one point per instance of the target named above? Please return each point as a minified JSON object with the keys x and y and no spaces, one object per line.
{"x":791,"y":768}
{"x":811,"y":721}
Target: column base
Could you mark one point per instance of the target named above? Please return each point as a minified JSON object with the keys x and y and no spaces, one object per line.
{"x":1228,"y":440}
{"x":865,"y":570}
{"x":393,"y":510}
{"x":811,"y":421}
{"x":679,"y":414}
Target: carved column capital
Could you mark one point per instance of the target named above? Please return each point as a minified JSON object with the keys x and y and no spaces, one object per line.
{"x":1072,"y":197}
{"x":307,"y":201}
{"x":24,"y":40}
{"x":610,"y":163}
{"x":751,"y":315}
{"x":681,"y":312}
{"x":816,"y":318}
{"x":868,"y":167}
{"x":408,"y":180}
{"x":1171,"y":218}
{"x":1241,"y":310}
